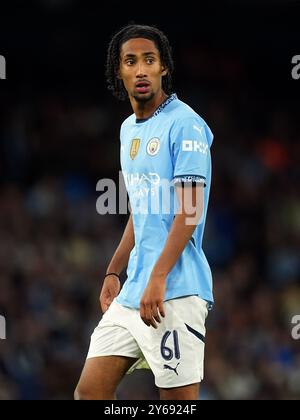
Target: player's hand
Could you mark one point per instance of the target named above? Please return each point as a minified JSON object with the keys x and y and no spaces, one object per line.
{"x":152,"y":301}
{"x":110,"y":289}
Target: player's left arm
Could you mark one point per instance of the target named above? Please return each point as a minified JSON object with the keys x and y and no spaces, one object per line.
{"x":191,"y":203}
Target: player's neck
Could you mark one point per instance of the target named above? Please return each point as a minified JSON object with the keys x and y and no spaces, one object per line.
{"x":144,"y":110}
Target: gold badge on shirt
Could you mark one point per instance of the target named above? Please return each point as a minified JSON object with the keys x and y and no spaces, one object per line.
{"x":134,"y":149}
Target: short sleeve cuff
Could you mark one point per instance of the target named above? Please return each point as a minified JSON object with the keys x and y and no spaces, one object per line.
{"x":189,"y":179}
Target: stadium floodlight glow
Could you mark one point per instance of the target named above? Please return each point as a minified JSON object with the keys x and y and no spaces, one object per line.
{"x":2,"y":67}
{"x":2,"y":328}
{"x":296,"y":68}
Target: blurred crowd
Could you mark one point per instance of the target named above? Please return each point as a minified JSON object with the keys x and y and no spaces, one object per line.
{"x":54,"y":247}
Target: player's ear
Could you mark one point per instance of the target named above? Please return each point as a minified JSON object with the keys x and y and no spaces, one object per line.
{"x":164,"y":70}
{"x":118,"y":74}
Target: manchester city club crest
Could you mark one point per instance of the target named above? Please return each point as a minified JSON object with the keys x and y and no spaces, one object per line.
{"x":153,"y":146}
{"x":134,"y":149}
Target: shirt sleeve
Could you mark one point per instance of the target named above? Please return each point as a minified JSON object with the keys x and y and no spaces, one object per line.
{"x":190,"y":151}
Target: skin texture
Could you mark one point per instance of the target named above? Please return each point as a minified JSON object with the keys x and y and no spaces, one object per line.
{"x":140,"y":63}
{"x":101,"y":377}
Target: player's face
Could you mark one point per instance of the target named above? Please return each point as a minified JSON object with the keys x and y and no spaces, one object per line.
{"x":141,"y":69}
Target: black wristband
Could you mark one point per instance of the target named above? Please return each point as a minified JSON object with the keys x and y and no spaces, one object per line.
{"x":112,"y":274}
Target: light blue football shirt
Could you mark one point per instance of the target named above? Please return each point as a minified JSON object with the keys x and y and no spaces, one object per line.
{"x":172,"y":145}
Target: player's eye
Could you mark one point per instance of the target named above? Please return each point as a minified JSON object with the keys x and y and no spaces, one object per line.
{"x":129,"y":62}
{"x":149,"y":60}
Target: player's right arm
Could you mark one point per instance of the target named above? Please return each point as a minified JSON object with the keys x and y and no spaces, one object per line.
{"x":111,"y":285}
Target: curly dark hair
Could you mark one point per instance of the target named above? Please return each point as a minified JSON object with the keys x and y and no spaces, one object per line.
{"x":113,"y":56}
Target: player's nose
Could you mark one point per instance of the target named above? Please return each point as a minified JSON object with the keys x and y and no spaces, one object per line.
{"x":141,"y":71}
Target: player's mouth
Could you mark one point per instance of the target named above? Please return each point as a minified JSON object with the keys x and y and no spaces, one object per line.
{"x":142,"y":87}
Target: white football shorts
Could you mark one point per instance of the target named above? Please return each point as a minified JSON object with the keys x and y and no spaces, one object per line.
{"x":174,"y":351}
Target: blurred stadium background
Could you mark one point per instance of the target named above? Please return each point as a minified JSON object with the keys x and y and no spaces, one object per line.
{"x":59,"y":132}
